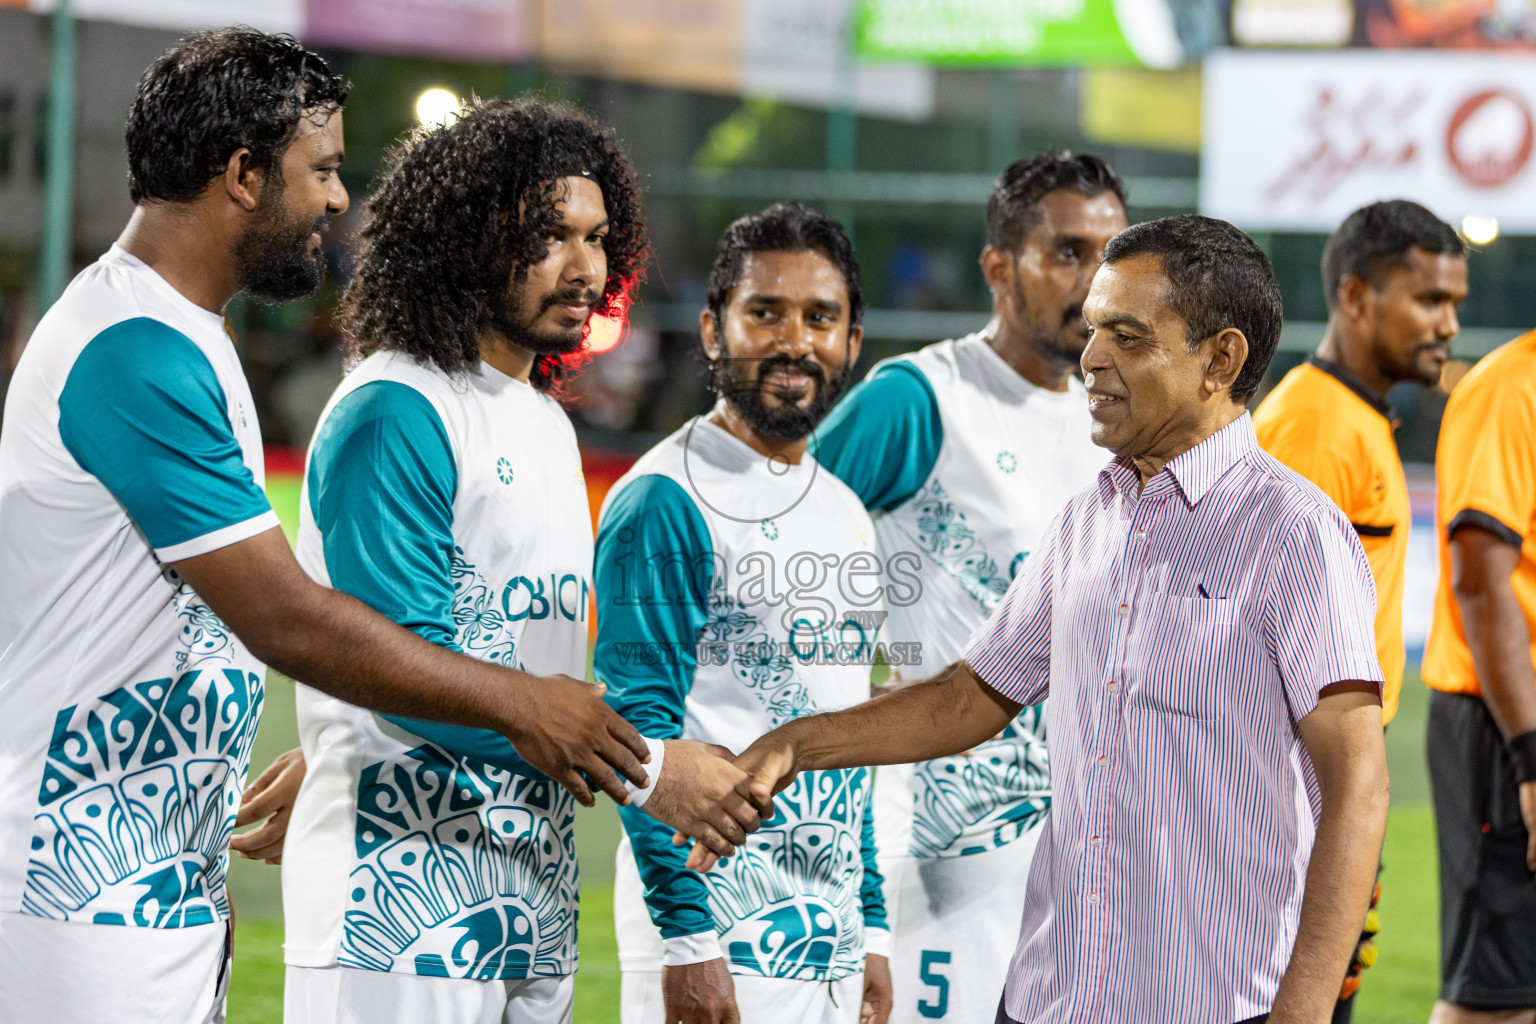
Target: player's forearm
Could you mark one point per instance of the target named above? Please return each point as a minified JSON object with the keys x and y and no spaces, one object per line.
{"x":951,"y":712}
{"x":1500,"y":643}
{"x":342,"y":647}
{"x":1338,"y":891}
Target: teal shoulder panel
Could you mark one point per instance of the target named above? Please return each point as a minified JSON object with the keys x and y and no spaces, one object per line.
{"x":883,"y":439}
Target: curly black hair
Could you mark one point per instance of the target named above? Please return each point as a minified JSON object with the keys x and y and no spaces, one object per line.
{"x":1013,"y":208}
{"x":462,"y":209}
{"x":213,"y":93}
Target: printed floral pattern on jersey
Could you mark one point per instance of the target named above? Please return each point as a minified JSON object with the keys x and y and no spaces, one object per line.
{"x":480,"y":626}
{"x":953,"y":544}
{"x":760,"y":662}
{"x":787,"y":905}
{"x":984,"y":799}
{"x":464,"y":870}
{"x":138,"y":799}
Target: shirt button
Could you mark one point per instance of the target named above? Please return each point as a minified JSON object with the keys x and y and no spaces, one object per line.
{"x":1113,"y":687}
{"x":1103,"y":760}
{"x":1140,"y":534}
{"x":1123,"y":610}
{"x":1095,"y":841}
{"x":1093,"y":897}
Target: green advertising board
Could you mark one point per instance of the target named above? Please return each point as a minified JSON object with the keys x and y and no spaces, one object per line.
{"x":1017,"y":32}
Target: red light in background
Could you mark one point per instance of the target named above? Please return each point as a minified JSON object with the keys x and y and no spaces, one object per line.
{"x":605,"y":333}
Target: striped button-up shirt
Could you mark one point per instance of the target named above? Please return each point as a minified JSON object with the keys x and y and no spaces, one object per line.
{"x":1181,"y":633}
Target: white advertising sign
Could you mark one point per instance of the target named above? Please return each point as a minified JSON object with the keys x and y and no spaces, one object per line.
{"x":269,"y":15}
{"x":1294,"y":142}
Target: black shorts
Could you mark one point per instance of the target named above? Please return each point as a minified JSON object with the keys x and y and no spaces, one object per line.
{"x":1487,"y":896}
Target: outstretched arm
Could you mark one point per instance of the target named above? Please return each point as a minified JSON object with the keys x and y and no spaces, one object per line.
{"x":341,"y":646}
{"x":953,"y":711}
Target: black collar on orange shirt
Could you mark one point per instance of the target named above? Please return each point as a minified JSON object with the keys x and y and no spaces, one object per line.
{"x":1356,"y":385}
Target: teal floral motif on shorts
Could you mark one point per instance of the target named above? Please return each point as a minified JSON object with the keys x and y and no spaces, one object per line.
{"x":504,"y":471}
{"x":464,"y":870}
{"x":1007,"y":461}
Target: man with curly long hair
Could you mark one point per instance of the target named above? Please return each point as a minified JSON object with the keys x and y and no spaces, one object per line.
{"x":430,"y":870}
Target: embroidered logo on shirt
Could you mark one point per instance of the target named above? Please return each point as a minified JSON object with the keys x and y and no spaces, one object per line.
{"x":1007,"y":461}
{"x":770,"y":529}
{"x":504,"y":471}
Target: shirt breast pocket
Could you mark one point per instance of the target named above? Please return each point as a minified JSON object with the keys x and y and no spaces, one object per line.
{"x":1179,"y":652}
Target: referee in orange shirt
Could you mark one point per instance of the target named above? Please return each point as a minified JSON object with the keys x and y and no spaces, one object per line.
{"x":1482,"y":703}
{"x":1393,"y":275}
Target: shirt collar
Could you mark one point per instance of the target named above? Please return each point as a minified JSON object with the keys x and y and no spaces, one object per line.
{"x":1353,"y":383}
{"x":1193,"y":472}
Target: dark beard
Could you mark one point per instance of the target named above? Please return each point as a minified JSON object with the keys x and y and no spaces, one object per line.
{"x":736,"y":383}
{"x":520,"y":331}
{"x":1050,"y":342}
{"x":273,"y":260}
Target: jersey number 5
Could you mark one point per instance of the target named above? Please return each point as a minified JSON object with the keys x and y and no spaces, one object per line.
{"x":940,"y":1006}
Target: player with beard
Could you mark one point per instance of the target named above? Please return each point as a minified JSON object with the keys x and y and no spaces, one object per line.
{"x":430,"y":871}
{"x":737,"y":589}
{"x":964,"y":451}
{"x":1393,"y":275}
{"x":145,"y":583}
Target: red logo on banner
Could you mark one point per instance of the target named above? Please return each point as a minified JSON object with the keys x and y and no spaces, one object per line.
{"x":1490,"y":137}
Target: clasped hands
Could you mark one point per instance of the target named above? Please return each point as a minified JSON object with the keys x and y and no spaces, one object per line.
{"x":711,"y":796}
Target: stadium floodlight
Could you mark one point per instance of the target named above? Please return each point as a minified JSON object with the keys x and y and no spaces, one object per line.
{"x":1479,"y":230}
{"x":436,"y":106}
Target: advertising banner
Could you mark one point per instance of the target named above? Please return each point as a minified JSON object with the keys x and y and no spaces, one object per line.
{"x":687,"y":44}
{"x":489,"y":30}
{"x":180,"y":15}
{"x":1026,"y":32}
{"x":1295,"y":141}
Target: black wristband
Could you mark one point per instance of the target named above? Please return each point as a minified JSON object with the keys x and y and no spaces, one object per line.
{"x":1522,"y":751}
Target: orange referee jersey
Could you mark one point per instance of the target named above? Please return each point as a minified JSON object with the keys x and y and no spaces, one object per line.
{"x":1485,"y":469}
{"x":1321,"y":421}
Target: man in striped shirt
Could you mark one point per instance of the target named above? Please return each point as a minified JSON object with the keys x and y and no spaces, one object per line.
{"x":1201,"y":618}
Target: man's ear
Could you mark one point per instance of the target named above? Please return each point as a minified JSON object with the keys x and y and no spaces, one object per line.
{"x":242,"y":181}
{"x":709,"y":332}
{"x":1227,"y":352}
{"x":855,"y":342}
{"x":1354,"y":296}
{"x":996,"y":265}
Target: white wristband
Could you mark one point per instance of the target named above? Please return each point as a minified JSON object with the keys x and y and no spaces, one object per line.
{"x":637,"y":795}
{"x":877,"y":942}
{"x":690,"y":949}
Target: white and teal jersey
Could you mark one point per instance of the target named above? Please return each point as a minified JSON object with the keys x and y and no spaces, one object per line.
{"x":963,"y":463}
{"x":736,"y":593}
{"x":127,"y":709}
{"x":457,"y":508}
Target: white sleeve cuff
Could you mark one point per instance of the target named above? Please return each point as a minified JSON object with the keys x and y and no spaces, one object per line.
{"x":637,"y":795}
{"x":220,"y":538}
{"x":877,"y":942}
{"x":690,"y":949}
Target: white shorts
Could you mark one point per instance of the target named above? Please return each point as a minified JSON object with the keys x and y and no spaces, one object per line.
{"x":67,"y":972}
{"x":350,"y":995}
{"x":759,"y":1000}
{"x":954,"y":927}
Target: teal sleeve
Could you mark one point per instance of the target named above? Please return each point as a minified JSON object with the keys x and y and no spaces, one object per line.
{"x":872,"y":892}
{"x":653,"y":574}
{"x":883,"y":439}
{"x":143,"y":411}
{"x":382,"y":479}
